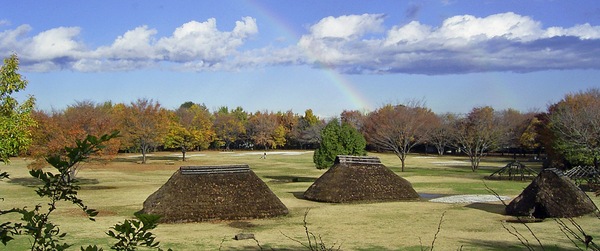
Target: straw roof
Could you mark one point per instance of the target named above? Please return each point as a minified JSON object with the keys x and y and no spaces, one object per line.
{"x":204,"y":193}
{"x":551,"y":195}
{"x":359,"y":179}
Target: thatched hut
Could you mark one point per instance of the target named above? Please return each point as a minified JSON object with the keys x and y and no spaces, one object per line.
{"x":360,"y":179}
{"x":551,"y":195}
{"x":205,"y":193}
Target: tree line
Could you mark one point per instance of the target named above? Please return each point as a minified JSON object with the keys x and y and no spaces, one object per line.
{"x":568,"y":131}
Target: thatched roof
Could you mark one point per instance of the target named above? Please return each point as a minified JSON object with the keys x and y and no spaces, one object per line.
{"x":551,"y":195}
{"x":207,"y":193}
{"x":359,"y":179}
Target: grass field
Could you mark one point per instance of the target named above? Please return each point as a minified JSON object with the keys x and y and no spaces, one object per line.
{"x":119,"y":188}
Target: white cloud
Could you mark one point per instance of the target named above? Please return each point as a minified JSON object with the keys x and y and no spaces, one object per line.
{"x":461,"y":44}
{"x":134,"y":44}
{"x":53,"y":44}
{"x":195,"y":41}
{"x":347,"y":27}
{"x":351,"y":44}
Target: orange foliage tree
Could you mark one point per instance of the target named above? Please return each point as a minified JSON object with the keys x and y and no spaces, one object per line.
{"x":62,"y":129}
{"x":144,"y":125}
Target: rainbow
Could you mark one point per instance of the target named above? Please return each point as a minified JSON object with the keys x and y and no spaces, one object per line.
{"x":340,"y":81}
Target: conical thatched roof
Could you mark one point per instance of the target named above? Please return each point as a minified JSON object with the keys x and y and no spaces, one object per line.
{"x":207,"y":193}
{"x":359,"y":179}
{"x":551,"y":195}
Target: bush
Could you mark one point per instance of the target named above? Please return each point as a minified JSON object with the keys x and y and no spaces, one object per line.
{"x":337,"y":140}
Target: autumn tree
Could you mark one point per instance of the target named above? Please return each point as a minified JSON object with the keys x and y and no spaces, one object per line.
{"x":264,"y":130}
{"x":398,"y":128}
{"x":190,"y":128}
{"x":575,"y":124}
{"x":307,"y":132}
{"x":354,"y":118}
{"x":477,"y":134}
{"x":512,"y":125}
{"x":64,"y":128}
{"x":440,"y":134}
{"x":15,"y":119}
{"x":338,"y":139}
{"x":144,"y":125}
{"x":288,"y":121}
{"x":531,"y":139}
{"x":229,"y":126}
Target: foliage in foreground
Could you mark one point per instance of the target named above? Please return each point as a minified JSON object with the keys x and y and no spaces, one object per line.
{"x":46,"y":235}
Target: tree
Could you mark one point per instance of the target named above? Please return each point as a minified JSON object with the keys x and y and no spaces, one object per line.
{"x":307,"y":132}
{"x":180,"y":137}
{"x":190,"y":127}
{"x":337,"y":140}
{"x":144,"y":125}
{"x":476,"y":134}
{"x":439,"y":135}
{"x":229,"y":126}
{"x":512,"y":125}
{"x":63,"y":128}
{"x":354,"y":118}
{"x":398,"y":128}
{"x":530,"y":139}
{"x":575,"y":124}
{"x":264,"y":130}
{"x":15,"y":119}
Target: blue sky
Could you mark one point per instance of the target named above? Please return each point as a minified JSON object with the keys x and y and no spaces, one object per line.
{"x":284,"y":55}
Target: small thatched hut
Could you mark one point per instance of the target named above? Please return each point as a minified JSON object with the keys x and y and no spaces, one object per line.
{"x":360,"y":179}
{"x":205,"y":193}
{"x":551,"y":195}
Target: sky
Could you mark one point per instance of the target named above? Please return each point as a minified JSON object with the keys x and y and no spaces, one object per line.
{"x":328,"y":56}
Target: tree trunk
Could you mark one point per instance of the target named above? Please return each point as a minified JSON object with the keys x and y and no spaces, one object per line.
{"x":143,"y":155}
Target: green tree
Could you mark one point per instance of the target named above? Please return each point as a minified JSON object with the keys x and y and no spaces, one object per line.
{"x":15,"y":118}
{"x":337,"y":140}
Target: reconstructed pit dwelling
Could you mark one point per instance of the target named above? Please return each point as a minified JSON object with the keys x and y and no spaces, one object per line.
{"x":355,"y":179}
{"x":206,"y":193}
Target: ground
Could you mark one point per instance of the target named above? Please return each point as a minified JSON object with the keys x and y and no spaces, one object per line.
{"x":119,"y":188}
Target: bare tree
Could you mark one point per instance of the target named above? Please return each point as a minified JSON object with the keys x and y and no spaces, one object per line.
{"x":476,"y":134}
{"x":398,"y":128}
{"x":440,"y":134}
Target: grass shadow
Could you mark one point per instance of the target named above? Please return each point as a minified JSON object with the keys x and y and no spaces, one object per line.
{"x":33,"y":182}
{"x":133,"y":159}
{"x":506,"y":245}
{"x":298,"y":195}
{"x":488,"y":207}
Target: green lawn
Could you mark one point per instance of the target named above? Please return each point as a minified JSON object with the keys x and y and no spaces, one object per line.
{"x":118,"y":189}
